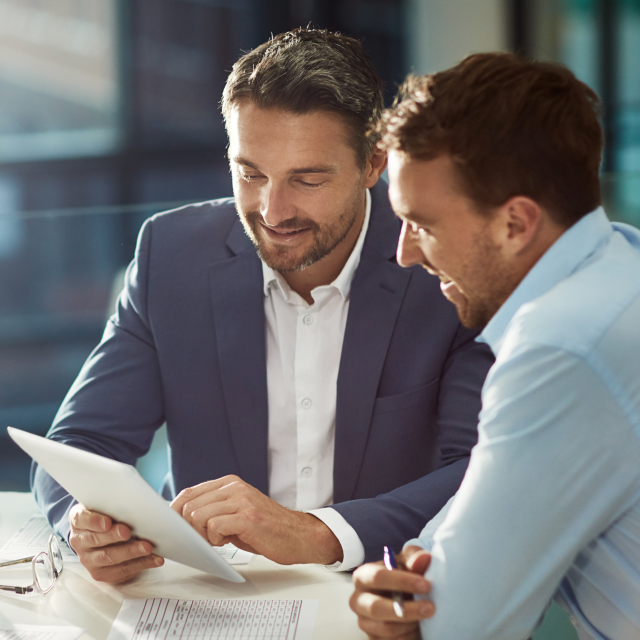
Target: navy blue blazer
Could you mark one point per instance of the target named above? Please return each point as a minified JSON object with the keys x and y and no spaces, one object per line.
{"x":186,"y":346}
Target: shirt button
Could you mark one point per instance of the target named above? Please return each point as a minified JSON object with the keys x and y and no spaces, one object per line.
{"x":306,"y":472}
{"x":308,"y":320}
{"x":306,"y":403}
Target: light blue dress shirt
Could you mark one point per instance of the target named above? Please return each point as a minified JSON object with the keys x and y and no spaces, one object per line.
{"x":550,"y":503}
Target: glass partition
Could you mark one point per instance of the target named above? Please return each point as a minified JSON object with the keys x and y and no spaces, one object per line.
{"x":58,"y":78}
{"x":599,"y":40}
{"x":567,"y":31}
{"x":628,"y":85}
{"x":621,"y":196}
{"x":60,"y":274}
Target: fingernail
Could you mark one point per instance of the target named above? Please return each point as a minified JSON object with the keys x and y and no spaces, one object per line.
{"x":142,"y":549}
{"x":423,"y":586}
{"x":427,"y":609}
{"x":159,"y":561}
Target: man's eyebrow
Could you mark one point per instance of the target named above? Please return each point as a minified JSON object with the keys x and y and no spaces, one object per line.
{"x":320,"y":168}
{"x":403,"y":216}
{"x":410,"y":217}
{"x":243,"y":161}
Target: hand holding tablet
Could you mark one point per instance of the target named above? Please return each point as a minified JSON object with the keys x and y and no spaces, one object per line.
{"x":107,"y":549}
{"x":105,"y":486}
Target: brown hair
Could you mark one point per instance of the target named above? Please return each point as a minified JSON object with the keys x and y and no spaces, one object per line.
{"x":308,"y":70}
{"x":511,"y":125}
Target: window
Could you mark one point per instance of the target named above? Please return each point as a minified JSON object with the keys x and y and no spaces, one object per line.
{"x":58,"y":78}
{"x":599,"y":40}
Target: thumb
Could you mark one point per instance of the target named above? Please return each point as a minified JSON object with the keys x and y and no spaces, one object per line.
{"x":419,"y":561}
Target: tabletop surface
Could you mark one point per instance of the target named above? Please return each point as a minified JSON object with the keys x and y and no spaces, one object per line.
{"x":80,"y":601}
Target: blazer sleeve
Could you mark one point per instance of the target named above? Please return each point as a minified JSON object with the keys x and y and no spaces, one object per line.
{"x":115,"y":405}
{"x":395,"y":517}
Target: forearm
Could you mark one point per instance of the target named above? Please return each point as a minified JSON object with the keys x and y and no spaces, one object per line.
{"x":323,"y":547}
{"x":53,"y":500}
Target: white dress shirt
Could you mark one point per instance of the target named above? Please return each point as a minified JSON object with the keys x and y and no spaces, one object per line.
{"x":304,"y":345}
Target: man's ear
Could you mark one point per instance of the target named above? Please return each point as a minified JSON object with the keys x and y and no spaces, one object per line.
{"x":374,"y":168}
{"x":519,"y":223}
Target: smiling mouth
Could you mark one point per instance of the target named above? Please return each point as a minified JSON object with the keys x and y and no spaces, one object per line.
{"x":283,"y":234}
{"x":286,"y":233}
{"x":447,"y":285}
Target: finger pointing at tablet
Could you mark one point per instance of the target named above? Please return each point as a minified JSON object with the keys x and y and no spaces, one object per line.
{"x":105,"y":548}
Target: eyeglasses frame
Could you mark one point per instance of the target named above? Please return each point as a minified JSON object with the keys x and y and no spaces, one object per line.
{"x":54,"y":550}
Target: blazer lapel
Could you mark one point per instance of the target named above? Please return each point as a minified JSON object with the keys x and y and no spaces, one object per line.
{"x":376,"y":296}
{"x":238,"y":308}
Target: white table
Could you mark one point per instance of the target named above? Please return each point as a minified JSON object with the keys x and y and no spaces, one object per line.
{"x":80,"y":601}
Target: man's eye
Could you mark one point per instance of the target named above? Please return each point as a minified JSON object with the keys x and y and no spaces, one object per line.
{"x":416,"y":228}
{"x":250,"y":177}
{"x":313,"y":185}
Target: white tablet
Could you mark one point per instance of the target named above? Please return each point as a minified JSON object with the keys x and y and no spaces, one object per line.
{"x":117,"y":490}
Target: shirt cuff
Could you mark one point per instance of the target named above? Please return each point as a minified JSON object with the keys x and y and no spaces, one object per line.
{"x":352,"y":547}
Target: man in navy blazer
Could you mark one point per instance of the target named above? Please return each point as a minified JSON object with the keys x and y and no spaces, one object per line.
{"x":189,"y":343}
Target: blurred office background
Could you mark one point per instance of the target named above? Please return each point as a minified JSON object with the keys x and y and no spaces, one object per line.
{"x":108,"y":114}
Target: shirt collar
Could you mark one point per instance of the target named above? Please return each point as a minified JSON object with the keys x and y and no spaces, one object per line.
{"x":562,"y":259}
{"x":343,"y":282}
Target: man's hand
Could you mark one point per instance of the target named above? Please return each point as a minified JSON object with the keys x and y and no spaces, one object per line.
{"x":230,"y":510}
{"x":105,"y":548}
{"x":373,"y":605}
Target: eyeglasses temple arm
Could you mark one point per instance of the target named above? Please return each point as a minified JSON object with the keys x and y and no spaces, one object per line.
{"x":19,"y":561}
{"x":20,"y":590}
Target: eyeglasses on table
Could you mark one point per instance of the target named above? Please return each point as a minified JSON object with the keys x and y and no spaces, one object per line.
{"x":46,"y":568}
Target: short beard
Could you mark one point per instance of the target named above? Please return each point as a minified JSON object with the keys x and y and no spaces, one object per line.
{"x":498,"y":285}
{"x":326,"y":238}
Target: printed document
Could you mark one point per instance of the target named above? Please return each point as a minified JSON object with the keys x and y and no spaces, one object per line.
{"x":31,"y":539}
{"x":39,"y":632}
{"x":168,"y":619}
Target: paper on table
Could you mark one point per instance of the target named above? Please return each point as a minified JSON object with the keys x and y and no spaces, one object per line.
{"x":233,"y":555}
{"x":167,"y":619}
{"x":39,"y":632}
{"x":32,"y":538}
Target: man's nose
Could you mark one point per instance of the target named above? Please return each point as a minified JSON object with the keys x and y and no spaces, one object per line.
{"x":276,"y":205}
{"x":409,"y":252}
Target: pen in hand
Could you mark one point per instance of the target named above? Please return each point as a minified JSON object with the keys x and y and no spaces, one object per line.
{"x":390,"y":563}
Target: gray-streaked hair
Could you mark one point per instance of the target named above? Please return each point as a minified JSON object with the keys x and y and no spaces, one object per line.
{"x":307,"y":70}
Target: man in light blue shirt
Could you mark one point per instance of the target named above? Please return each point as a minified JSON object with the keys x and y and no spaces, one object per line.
{"x":493,"y":170}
